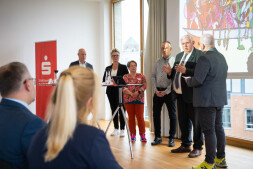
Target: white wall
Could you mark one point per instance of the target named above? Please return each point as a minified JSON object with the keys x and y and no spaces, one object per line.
{"x":74,"y":24}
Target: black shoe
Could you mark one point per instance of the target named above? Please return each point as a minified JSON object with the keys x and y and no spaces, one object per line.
{"x":157,"y":140}
{"x":171,"y":142}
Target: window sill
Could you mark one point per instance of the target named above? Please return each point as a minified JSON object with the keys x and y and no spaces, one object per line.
{"x":239,"y":142}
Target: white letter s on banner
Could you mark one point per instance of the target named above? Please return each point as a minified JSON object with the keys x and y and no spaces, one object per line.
{"x":46,"y":68}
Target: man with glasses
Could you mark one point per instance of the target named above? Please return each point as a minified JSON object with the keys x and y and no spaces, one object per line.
{"x":184,"y":66}
{"x":82,"y":60}
{"x":17,"y":123}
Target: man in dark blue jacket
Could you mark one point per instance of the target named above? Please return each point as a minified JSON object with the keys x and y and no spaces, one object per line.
{"x":82,"y":60}
{"x":17,"y":123}
{"x":209,"y":97}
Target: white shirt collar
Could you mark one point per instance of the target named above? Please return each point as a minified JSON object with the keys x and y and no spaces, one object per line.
{"x":188,"y":56}
{"x":82,"y":64}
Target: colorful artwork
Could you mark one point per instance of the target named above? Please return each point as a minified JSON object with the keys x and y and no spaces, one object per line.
{"x":225,"y":19}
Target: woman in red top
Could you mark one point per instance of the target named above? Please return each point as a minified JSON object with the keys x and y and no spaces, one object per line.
{"x":134,"y":100}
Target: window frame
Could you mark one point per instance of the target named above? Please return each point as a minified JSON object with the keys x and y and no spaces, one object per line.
{"x":141,"y":29}
{"x":246,"y":124}
{"x":229,"y":118}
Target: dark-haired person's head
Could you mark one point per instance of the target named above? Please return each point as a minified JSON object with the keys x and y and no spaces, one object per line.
{"x":16,"y":82}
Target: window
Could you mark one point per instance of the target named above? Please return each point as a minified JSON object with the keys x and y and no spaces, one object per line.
{"x":236,"y":85}
{"x":248,"y":85}
{"x":130,"y":18}
{"x":228,"y":85}
{"x":249,"y":119}
{"x":127,"y":31}
{"x":240,"y":100}
{"x":226,"y":120}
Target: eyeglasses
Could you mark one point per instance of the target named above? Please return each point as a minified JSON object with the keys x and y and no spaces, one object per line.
{"x":115,"y":56}
{"x":33,"y":79}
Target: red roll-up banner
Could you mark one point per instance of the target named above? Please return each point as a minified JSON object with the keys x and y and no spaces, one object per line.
{"x":46,"y":63}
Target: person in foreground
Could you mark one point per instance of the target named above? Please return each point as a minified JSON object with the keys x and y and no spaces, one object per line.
{"x":184,"y":65}
{"x":68,"y":141}
{"x":209,"y":97}
{"x":81,"y":60}
{"x":115,"y":69}
{"x":134,"y":100}
{"x":18,"y":124}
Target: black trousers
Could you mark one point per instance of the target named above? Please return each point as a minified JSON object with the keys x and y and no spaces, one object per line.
{"x":170,"y":102}
{"x":210,"y":119}
{"x":187,"y":118}
{"x":114,"y":103}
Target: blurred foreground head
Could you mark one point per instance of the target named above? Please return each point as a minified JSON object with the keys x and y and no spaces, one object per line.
{"x":16,"y":82}
{"x":74,"y":97}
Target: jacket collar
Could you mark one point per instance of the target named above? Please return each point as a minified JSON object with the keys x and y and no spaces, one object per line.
{"x":13,"y":104}
{"x":212,"y":49}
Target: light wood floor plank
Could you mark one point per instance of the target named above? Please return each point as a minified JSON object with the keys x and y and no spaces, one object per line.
{"x":160,"y":157}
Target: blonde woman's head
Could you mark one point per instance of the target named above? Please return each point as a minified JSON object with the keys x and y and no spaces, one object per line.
{"x":74,"y":97}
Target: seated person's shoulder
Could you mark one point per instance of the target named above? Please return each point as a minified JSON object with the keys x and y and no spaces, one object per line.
{"x":32,"y":118}
{"x":84,"y":130}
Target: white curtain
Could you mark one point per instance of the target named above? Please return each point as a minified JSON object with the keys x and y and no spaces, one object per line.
{"x":156,"y":34}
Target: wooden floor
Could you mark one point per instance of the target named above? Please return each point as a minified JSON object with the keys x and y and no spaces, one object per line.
{"x":160,"y":157}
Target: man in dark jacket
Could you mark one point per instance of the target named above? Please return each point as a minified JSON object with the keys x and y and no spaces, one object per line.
{"x":184,"y":66}
{"x":18,"y":124}
{"x":82,"y":60}
{"x":209,"y":97}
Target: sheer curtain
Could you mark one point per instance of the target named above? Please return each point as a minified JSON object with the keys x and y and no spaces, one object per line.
{"x":156,"y":34}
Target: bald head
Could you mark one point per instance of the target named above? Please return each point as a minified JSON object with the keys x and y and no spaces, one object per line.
{"x":82,"y":55}
{"x":206,"y":42}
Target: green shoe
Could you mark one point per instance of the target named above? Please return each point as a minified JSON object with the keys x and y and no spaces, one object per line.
{"x":204,"y":165}
{"x":240,"y":47}
{"x":220,"y":162}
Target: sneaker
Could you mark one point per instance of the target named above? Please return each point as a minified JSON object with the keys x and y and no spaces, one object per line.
{"x":122,"y":133}
{"x":220,"y":162}
{"x":115,"y":132}
{"x":143,"y":138}
{"x":157,"y":140}
{"x":204,"y":165}
{"x":133,"y":137}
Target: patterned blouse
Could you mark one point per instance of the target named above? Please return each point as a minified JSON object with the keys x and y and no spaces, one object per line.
{"x":139,"y":79}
